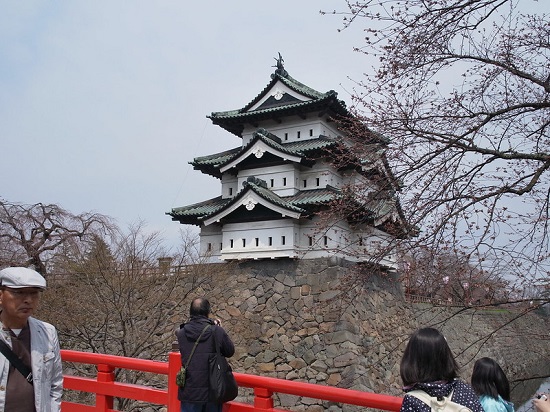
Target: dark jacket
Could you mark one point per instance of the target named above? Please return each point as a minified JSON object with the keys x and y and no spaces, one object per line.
{"x":196,"y":387}
{"x":463,"y":394}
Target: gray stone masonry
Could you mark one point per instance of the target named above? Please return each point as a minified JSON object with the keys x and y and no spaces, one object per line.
{"x":326,"y":322}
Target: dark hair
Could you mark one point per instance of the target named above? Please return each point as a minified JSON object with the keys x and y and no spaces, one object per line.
{"x":489,"y":379}
{"x":199,"y":307}
{"x":427,"y":358}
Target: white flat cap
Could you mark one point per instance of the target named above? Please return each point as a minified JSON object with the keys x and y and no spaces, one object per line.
{"x":19,"y":277}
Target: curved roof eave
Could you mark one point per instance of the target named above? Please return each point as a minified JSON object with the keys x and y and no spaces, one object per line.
{"x":271,"y":201}
{"x":211,"y":164}
{"x":298,"y":151}
{"x":192,"y":214}
{"x":328,"y":102}
{"x":233,"y":121}
{"x":292,"y":84}
{"x":260,"y":140}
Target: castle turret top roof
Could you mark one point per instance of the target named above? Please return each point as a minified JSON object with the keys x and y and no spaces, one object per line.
{"x":283,"y":96}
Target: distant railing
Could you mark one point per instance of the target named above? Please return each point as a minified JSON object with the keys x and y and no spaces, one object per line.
{"x":464,"y":303}
{"x":433,"y":301}
{"x":106,"y":388}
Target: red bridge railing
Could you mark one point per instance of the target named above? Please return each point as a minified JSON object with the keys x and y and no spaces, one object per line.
{"x":106,"y":388}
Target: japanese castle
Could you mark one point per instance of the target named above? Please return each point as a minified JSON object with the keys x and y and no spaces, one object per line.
{"x":276,"y":185}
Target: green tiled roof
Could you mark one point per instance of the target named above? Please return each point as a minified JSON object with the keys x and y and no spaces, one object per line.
{"x":306,"y":146}
{"x":217,"y":158}
{"x":234,"y":120}
{"x":315,"y":197}
{"x":212,"y":163}
{"x":270,"y":196}
{"x":304,"y":202}
{"x":268,"y":140}
{"x":198,"y":211}
{"x":292,"y":84}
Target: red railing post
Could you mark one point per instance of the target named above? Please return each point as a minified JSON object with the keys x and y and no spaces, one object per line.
{"x":174,"y":365}
{"x":105,"y":373}
{"x":263,"y":399}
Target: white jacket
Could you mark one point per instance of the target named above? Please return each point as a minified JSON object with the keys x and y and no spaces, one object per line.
{"x":46,"y":367}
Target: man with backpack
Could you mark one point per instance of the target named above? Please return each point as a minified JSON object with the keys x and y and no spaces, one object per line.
{"x":196,"y":340}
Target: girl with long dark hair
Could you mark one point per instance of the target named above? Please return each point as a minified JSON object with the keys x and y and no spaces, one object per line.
{"x":491,"y":385}
{"x":429,"y":367}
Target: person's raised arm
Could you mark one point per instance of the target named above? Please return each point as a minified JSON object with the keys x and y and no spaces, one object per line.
{"x":541,"y":403}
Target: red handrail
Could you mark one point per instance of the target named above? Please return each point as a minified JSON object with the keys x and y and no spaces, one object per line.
{"x":106,"y":388}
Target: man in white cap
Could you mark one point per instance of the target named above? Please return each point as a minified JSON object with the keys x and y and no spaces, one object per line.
{"x":36,"y":384}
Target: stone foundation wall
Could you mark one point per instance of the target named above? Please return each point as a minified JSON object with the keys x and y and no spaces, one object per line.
{"x":326,"y":322}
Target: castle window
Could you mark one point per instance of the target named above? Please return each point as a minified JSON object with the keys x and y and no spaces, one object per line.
{"x":311,"y":132}
{"x":286,"y":136}
{"x":284,"y":181}
{"x":283,"y":240}
{"x":221,"y":246}
{"x":310,"y":240}
{"x":257,"y":242}
{"x":318,"y":181}
{"x":325,"y":240}
{"x":305,"y":183}
{"x":244,"y":242}
{"x":298,"y":134}
{"x":209,"y":247}
{"x":270,"y":241}
{"x":231,"y":243}
{"x":230,"y":191}
{"x":272,"y":182}
{"x":360,"y":240}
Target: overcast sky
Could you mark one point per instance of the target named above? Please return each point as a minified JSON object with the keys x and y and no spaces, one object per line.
{"x":104,"y":103}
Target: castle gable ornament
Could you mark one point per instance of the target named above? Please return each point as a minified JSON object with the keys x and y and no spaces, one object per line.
{"x":249,"y":203}
{"x":259,"y":153}
{"x":277,"y":94}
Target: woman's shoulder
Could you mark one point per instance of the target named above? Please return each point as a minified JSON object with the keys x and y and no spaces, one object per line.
{"x":463,"y":387}
{"x":459,"y":383}
{"x":465,"y":395}
{"x":462,"y":393}
{"x":413,"y":404}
